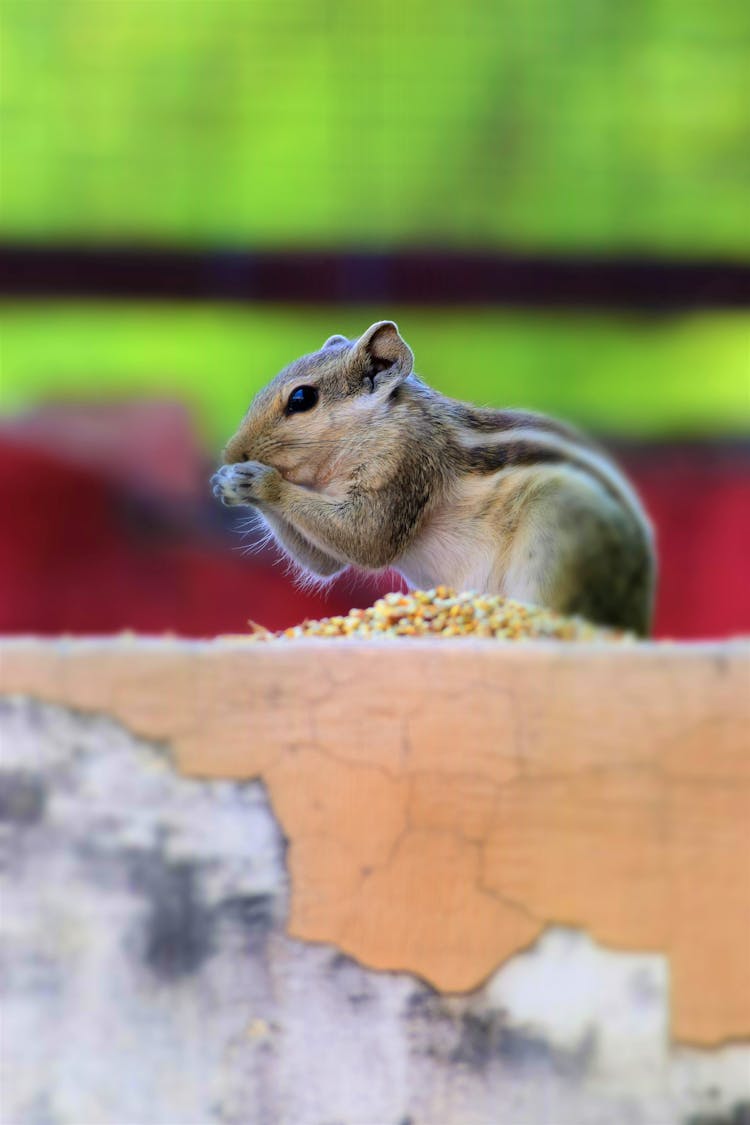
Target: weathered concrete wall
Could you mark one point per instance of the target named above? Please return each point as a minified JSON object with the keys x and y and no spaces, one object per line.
{"x":146,"y":977}
{"x":447,"y":802}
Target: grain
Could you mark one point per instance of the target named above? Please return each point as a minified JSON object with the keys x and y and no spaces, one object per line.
{"x":444,"y":613}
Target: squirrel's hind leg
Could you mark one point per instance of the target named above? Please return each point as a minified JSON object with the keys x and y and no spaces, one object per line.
{"x":577,"y":551}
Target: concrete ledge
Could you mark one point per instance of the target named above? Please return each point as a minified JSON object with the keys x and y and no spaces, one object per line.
{"x":476,"y":825}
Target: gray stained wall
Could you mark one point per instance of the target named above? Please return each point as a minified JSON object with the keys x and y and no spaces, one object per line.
{"x":146,"y":979}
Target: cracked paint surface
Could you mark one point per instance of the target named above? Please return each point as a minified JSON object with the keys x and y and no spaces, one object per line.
{"x":145,"y":976}
{"x":444,"y":804}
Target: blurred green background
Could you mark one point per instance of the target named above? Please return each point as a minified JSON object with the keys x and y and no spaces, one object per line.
{"x":570,"y":127}
{"x":690,"y":375}
{"x":555,"y":124}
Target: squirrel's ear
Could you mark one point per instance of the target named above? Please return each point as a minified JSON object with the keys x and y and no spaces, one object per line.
{"x":387,"y":359}
{"x":335,"y":340}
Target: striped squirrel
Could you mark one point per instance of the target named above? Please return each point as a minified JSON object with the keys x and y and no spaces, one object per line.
{"x":351,"y":459}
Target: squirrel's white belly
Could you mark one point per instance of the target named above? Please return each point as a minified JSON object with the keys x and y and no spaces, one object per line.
{"x":451,"y":554}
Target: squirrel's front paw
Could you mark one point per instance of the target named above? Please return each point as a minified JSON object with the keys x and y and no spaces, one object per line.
{"x":247,"y":482}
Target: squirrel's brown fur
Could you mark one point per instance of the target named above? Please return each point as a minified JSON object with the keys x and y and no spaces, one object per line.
{"x":383,"y":471}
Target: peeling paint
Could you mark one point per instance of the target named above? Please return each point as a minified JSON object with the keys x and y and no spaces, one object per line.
{"x":446,"y":805}
{"x":102,"y":971}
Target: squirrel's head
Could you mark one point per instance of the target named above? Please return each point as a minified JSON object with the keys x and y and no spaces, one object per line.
{"x":317,"y":410}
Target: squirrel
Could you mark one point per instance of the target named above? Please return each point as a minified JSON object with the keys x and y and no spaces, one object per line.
{"x":352,"y":459}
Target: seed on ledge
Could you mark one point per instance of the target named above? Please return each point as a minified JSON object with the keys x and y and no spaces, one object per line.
{"x":444,"y":613}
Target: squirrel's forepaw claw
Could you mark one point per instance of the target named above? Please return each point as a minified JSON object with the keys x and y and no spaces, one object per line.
{"x":241,"y":483}
{"x":224,"y":487}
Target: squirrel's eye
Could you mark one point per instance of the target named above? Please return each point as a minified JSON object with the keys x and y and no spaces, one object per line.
{"x":302,"y":398}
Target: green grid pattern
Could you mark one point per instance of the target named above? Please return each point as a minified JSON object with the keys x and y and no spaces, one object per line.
{"x":534,"y":124}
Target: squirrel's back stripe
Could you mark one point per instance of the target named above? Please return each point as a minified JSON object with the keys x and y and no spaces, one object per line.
{"x":532,"y":446}
{"x":491,"y":458}
{"x":486,"y":421}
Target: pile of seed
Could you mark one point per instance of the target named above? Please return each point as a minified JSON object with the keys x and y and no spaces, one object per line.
{"x":444,"y":613}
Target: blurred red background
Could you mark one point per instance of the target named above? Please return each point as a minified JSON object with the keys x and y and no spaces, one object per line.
{"x":109,"y":525}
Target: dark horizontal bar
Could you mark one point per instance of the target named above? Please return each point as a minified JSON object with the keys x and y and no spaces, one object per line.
{"x":421,"y":277}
